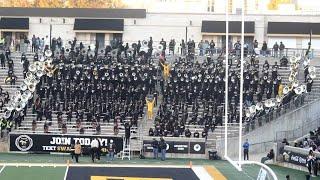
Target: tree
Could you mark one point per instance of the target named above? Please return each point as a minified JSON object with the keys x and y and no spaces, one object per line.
{"x":48,"y":3}
{"x":15,"y":3}
{"x":94,"y":4}
{"x":63,"y":3}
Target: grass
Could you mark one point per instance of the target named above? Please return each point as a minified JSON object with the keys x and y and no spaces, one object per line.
{"x":32,"y":173}
{"x":51,"y":173}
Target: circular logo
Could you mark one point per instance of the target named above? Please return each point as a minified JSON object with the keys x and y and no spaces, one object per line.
{"x":24,"y":142}
{"x":197,"y":147}
{"x":167,"y":148}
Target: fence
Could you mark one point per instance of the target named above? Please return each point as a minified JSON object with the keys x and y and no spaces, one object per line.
{"x":299,"y":101}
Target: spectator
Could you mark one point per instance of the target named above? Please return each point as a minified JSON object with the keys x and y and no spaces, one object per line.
{"x":33,"y":45}
{"x":270,"y":156}
{"x":284,"y":61}
{"x":196,"y":134}
{"x":255,"y":44}
{"x":127,"y":128}
{"x":111,"y":150}
{"x":17,"y":44}
{"x":200,"y":46}
{"x":42,"y":44}
{"x":183,"y":47}
{"x":281,"y":48}
{"x":98,"y":128}
{"x":310,"y":162}
{"x":163,"y":148}
{"x":37,"y":44}
{"x":77,"y":151}
{"x":204,"y":133}
{"x":155,"y":146}
{"x":172,"y":45}
{"x":237,"y":48}
{"x":187,"y":133}
{"x":94,"y":149}
{"x":264,"y":48}
{"x":151,"y":133}
{"x":212,"y":47}
{"x":2,"y":60}
{"x":275,"y":50}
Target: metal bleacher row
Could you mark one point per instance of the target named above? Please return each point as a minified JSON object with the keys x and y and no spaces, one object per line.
{"x":107,"y":128}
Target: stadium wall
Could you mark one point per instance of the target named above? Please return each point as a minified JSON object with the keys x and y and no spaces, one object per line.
{"x":171,"y":26}
{"x":262,"y":139}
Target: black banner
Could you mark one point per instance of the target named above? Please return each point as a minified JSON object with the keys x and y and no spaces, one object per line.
{"x":197,"y":147}
{"x":147,"y":144}
{"x":181,"y":147}
{"x":45,"y":143}
{"x":295,"y":158}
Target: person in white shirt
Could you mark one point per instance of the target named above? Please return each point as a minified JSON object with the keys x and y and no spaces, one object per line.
{"x":94,"y":148}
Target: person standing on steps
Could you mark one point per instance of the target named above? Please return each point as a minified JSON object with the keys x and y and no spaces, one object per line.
{"x":246,"y":150}
{"x":150,"y":105}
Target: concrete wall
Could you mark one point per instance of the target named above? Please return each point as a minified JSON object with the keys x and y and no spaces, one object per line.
{"x":172,"y":26}
{"x":263,"y":137}
{"x":62,"y":27}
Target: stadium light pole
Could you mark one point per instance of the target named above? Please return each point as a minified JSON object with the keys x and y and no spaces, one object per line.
{"x":241,"y":81}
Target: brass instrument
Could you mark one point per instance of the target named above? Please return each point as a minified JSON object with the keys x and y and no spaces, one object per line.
{"x":48,"y":53}
{"x":160,"y":47}
{"x":312,"y":75}
{"x":114,"y":53}
{"x":32,"y":68}
{"x":259,"y":106}
{"x":252,"y":109}
{"x":145,"y":43}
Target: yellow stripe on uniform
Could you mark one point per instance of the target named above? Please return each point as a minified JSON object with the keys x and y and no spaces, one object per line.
{"x":124,"y":178}
{"x":214,"y":173}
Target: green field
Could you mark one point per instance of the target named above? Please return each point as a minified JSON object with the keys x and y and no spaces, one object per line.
{"x":57,"y":173}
